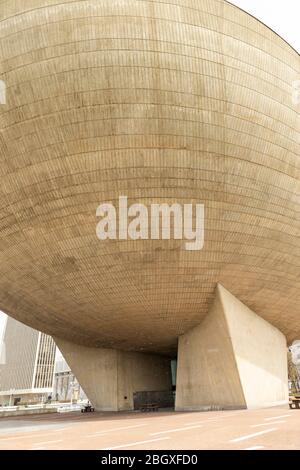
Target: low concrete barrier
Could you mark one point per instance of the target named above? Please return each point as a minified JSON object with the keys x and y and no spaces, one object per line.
{"x":26,"y":411}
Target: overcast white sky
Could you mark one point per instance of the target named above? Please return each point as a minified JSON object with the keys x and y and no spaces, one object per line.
{"x":283,"y":16}
{"x":2,"y":320}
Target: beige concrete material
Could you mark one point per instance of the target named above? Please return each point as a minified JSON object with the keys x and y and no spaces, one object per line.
{"x":207,"y":374}
{"x":260,"y":351}
{"x":233,"y":359}
{"x":110,"y":377}
{"x":26,"y":412}
{"x":183,"y":101}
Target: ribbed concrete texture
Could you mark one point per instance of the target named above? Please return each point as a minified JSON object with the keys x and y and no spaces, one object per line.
{"x":234,"y":359}
{"x":188,"y":101}
{"x":111,"y":377}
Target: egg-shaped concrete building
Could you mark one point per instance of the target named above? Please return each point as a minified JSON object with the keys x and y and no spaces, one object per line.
{"x":181,"y":101}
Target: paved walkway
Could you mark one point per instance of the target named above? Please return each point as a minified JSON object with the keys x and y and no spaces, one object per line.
{"x":273,"y":428}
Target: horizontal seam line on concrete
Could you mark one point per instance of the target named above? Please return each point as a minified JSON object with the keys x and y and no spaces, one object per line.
{"x":154,"y":287}
{"x":224,"y":65}
{"x":161,"y":69}
{"x":185,"y":168}
{"x":182,"y":120}
{"x":127,"y":38}
{"x":152,"y":148}
{"x":281,"y":216}
{"x":185,"y":7}
{"x":137,"y":89}
{"x":193,"y":110}
{"x":158,"y":19}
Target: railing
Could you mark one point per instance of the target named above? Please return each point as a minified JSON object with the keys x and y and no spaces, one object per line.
{"x":60,"y":407}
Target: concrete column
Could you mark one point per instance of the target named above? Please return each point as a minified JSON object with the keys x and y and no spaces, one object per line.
{"x":233,"y":359}
{"x":109,"y":377}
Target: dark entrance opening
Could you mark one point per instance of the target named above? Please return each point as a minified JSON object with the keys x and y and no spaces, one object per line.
{"x":154,"y":400}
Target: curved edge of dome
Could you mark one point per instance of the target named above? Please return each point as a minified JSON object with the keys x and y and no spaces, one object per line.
{"x":286,"y":42}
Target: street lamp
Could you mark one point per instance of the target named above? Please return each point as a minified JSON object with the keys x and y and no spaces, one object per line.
{"x":11,"y":394}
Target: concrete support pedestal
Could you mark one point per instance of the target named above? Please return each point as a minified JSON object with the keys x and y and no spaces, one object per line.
{"x":110,"y":377}
{"x":233,"y":359}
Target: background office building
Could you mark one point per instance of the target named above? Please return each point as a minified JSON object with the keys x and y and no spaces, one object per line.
{"x":65,"y":386}
{"x":27,"y":364}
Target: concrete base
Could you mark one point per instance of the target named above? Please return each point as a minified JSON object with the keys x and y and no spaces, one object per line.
{"x":110,"y":377}
{"x":26,"y":412}
{"x":234,"y":359}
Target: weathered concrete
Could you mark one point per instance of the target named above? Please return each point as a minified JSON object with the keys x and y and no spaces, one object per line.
{"x":188,"y":102}
{"x":184,"y":103}
{"x":233,"y":359}
{"x":109,"y":377}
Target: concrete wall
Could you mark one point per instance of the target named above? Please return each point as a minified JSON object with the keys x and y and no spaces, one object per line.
{"x":233,"y":359}
{"x":260,"y":351}
{"x":31,"y":398}
{"x":139,"y":372}
{"x":109,"y":377}
{"x":24,"y":412}
{"x":207,"y":375}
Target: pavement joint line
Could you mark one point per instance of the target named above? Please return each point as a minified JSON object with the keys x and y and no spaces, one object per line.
{"x":175,"y":430}
{"x":195,"y":422}
{"x":13,"y":435}
{"x":223,"y":417}
{"x":236,"y":413}
{"x":266,"y":424}
{"x":23,"y":437}
{"x":249,"y":436}
{"x":46,"y":443}
{"x":190,"y":415}
{"x":254,"y":448}
{"x":277,"y":417}
{"x":131,"y":444}
{"x":63,"y":429}
{"x":100,"y":433}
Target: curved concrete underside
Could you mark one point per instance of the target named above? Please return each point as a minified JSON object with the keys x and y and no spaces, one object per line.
{"x":182,"y":102}
{"x":233,"y":360}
